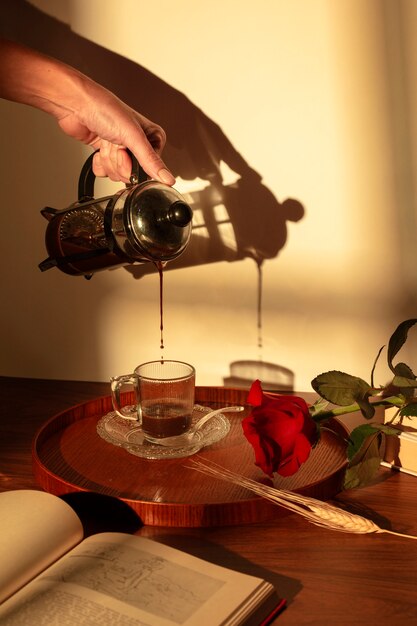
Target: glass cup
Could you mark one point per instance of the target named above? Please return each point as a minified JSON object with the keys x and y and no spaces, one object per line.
{"x":164,"y":397}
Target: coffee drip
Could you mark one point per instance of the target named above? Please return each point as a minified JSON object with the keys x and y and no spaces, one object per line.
{"x":259,"y":308}
{"x":160,"y":267}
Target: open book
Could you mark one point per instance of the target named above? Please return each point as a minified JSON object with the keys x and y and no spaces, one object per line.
{"x":50,"y":575}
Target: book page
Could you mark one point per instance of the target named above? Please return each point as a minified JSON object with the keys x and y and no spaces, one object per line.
{"x":36,"y":528}
{"x":121,"y":580}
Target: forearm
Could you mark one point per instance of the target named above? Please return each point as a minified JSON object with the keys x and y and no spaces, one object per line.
{"x":37,"y":80}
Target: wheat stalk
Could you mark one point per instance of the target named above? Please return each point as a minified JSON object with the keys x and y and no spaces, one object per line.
{"x":315,"y":511}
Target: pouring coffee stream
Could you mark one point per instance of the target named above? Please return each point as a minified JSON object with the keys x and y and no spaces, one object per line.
{"x":160,"y":267}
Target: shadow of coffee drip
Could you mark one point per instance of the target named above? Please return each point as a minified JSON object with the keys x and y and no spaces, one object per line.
{"x":273,"y":377}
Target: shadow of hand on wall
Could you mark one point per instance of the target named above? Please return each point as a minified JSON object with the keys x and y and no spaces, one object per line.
{"x":232,"y":221}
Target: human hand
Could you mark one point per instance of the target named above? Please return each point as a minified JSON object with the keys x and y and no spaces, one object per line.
{"x":110,"y":126}
{"x":84,"y":110}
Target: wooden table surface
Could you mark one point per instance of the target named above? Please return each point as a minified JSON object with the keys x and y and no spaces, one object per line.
{"x":328,"y":578}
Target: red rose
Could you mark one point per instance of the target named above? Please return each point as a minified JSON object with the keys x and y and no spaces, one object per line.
{"x":281,"y":431}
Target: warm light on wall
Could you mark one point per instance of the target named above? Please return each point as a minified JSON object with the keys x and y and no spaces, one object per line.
{"x":302,"y":93}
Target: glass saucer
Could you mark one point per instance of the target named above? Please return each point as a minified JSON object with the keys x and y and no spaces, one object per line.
{"x":129,"y":435}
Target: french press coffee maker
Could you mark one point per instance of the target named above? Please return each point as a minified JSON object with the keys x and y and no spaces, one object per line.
{"x":146,"y":221}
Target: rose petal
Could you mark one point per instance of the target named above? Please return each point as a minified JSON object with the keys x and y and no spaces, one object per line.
{"x":280,"y":430}
{"x":300,"y":454}
{"x":262,"y":456}
{"x":256,"y":395}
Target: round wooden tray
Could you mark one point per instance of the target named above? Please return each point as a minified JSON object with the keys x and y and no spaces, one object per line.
{"x":69,"y":456}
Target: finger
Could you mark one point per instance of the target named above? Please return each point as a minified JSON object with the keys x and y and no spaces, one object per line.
{"x":105,"y":162}
{"x":98,"y":169}
{"x":124,"y":165}
{"x":121,"y":163}
{"x":108,"y":159}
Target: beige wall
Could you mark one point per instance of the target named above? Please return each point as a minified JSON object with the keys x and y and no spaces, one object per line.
{"x":316,"y":96}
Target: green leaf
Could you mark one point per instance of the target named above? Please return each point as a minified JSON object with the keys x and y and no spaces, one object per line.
{"x":359,"y":436}
{"x":395,"y":400}
{"x":405,"y":379}
{"x":367,"y":410}
{"x":340,"y":388}
{"x":404,"y":383}
{"x":397,"y":340}
{"x":402,"y":369}
{"x":363,"y":471}
{"x":387,"y":430}
{"x":409,"y":410}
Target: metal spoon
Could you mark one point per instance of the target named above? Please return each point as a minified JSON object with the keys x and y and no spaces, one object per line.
{"x":187,"y":438}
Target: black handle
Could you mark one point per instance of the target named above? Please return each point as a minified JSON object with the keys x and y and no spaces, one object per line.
{"x":87,"y":177}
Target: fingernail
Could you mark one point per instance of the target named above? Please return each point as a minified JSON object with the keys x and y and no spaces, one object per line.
{"x":166,"y":177}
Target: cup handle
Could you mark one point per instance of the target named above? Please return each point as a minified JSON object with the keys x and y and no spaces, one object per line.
{"x":116,"y":383}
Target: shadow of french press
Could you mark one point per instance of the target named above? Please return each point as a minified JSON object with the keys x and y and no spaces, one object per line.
{"x":232,"y":221}
{"x":273,"y":377}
